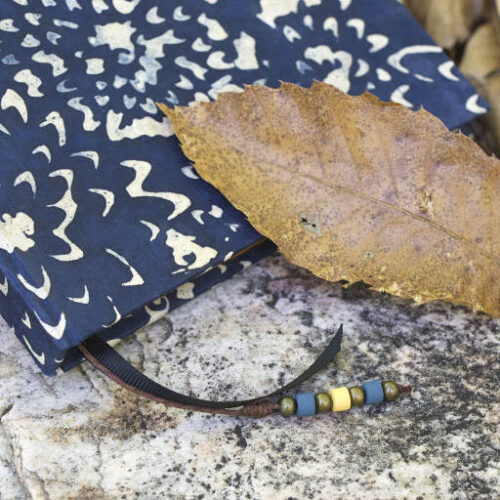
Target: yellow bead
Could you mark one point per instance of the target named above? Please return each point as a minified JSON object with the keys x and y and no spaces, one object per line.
{"x":341,"y":398}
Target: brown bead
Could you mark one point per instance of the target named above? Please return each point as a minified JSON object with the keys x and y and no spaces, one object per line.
{"x":391,"y":390}
{"x":357,"y":395}
{"x":287,"y":406}
{"x":323,"y":402}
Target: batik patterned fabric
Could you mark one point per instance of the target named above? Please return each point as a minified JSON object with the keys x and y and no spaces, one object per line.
{"x":100,"y":212}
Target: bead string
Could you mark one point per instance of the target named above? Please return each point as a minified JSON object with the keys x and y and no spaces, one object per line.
{"x":341,"y":398}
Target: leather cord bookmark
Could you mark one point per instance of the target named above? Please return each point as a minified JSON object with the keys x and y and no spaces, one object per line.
{"x":109,"y":362}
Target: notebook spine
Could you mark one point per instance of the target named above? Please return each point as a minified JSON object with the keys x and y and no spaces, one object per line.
{"x":17,"y":312}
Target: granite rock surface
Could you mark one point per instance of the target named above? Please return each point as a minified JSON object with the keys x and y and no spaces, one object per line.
{"x":80,"y":436}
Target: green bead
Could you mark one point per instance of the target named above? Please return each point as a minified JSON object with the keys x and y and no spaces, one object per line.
{"x":323,"y":402}
{"x":357,"y":395}
{"x":287,"y":406}
{"x":391,"y":390}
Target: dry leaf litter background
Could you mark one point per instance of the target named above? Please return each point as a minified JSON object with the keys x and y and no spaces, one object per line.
{"x":469,"y":30}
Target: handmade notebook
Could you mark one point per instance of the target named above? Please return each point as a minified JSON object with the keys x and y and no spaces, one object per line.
{"x":104,"y":225}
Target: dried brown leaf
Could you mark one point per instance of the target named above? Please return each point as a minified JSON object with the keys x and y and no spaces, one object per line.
{"x":355,"y":189}
{"x":482,"y":53}
{"x":481,"y":64}
{"x":448,"y":21}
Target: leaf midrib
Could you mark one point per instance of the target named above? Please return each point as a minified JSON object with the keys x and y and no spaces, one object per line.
{"x":363,"y":196}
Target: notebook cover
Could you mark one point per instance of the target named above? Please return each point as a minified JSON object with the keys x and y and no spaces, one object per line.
{"x":100,"y":212}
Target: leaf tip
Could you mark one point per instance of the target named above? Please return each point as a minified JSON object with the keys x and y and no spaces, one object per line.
{"x":164,"y":108}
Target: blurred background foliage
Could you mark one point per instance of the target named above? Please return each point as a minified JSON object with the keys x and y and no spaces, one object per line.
{"x":469,"y":31}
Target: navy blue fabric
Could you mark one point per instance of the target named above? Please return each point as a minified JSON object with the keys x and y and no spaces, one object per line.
{"x":100,"y":212}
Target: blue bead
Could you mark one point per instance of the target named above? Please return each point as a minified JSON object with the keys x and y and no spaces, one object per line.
{"x":306,"y":404}
{"x":374,"y":392}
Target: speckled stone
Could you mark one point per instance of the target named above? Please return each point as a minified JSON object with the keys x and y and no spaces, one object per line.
{"x":80,"y":436}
